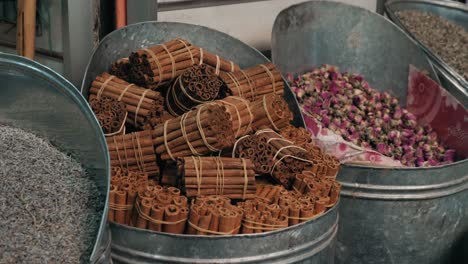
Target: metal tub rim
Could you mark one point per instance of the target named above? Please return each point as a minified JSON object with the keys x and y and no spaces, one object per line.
{"x":431,"y":55}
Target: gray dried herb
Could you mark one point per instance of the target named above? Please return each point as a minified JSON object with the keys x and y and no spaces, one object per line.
{"x":446,"y":39}
{"x":49,"y":208}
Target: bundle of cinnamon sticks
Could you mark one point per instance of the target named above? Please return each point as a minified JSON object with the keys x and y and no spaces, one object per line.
{"x":240,"y":114}
{"x":260,"y":216}
{"x":134,"y":152}
{"x":145,"y":107}
{"x":123,"y":192}
{"x":155,"y":66}
{"x":110,"y":113}
{"x":272,"y":154}
{"x":325,"y":188}
{"x":197,"y":85}
{"x":323,"y":165}
{"x":271,"y":111}
{"x":231,"y":177}
{"x":254,"y":82}
{"x":161,"y":209}
{"x":214,"y":215}
{"x":121,"y":69}
{"x":201,"y":131}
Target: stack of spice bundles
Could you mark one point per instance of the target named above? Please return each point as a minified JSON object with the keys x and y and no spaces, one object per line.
{"x":208,"y":108}
{"x":254,"y":82}
{"x":145,"y":107}
{"x":155,"y":66}
{"x":110,"y":113}
{"x":134,"y":152}
{"x":197,"y":85}
{"x":231,"y":177}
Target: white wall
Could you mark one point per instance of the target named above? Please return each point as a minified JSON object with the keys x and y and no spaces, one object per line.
{"x":249,"y":22}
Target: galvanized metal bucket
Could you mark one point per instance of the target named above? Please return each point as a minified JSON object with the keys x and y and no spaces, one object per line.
{"x":405,"y":215}
{"x":455,"y":12}
{"x":310,"y":242}
{"x":37,"y":99}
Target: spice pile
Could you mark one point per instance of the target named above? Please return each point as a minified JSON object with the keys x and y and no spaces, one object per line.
{"x":446,"y":39}
{"x":347,"y":105}
{"x":193,"y":169}
{"x":49,"y":207}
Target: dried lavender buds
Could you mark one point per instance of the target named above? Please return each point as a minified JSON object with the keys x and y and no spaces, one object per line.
{"x":49,"y":208}
{"x":444,"y":38}
{"x":347,"y":105}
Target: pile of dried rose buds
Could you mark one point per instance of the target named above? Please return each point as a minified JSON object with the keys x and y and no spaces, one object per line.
{"x":345,"y":104}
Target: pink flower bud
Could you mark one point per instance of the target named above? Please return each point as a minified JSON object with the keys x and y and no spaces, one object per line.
{"x":398,"y":114}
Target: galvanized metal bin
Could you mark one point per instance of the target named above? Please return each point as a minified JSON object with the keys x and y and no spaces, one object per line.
{"x":406,"y":215}
{"x":37,"y":99}
{"x":310,"y":242}
{"x":455,"y":12}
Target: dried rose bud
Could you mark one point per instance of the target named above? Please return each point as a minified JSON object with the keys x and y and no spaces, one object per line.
{"x":407,"y":133}
{"x":398,"y":114}
{"x":393,"y":134}
{"x":357,"y":119}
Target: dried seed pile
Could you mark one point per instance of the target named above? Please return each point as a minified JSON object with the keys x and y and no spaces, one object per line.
{"x":49,"y":208}
{"x":447,"y":40}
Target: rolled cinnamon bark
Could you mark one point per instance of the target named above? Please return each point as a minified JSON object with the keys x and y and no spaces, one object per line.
{"x":157,"y":213}
{"x":171,"y":215}
{"x":145,"y":209}
{"x":112,"y":194}
{"x":120,"y":201}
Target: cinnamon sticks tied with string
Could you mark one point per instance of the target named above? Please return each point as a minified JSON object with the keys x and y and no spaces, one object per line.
{"x":214,"y":215}
{"x":255,"y":82}
{"x":201,"y":131}
{"x":144,"y":106}
{"x":272,"y":154}
{"x":110,"y":113}
{"x":197,"y":85}
{"x":133,"y":152}
{"x":155,"y":66}
{"x":231,"y":177}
